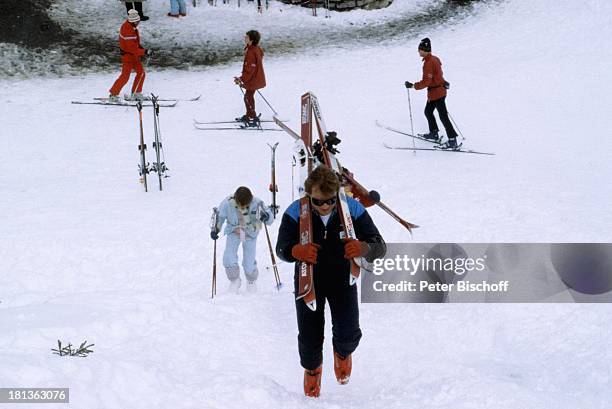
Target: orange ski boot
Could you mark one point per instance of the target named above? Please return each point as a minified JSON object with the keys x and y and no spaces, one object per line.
{"x":312,"y":382}
{"x":342,"y":368}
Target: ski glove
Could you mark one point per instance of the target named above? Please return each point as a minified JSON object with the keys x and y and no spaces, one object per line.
{"x":306,"y":252}
{"x":408,"y":84}
{"x":355,"y":248}
{"x":264,"y":217}
{"x":214,"y":235}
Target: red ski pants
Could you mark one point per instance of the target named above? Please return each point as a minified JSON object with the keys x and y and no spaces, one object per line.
{"x":126,"y":70}
{"x":249,"y":103}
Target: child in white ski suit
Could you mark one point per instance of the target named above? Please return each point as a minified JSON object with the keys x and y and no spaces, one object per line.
{"x":243,"y":216}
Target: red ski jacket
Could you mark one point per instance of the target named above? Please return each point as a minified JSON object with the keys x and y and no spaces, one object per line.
{"x":433,"y":78}
{"x":129,"y":42}
{"x":253,"y":76}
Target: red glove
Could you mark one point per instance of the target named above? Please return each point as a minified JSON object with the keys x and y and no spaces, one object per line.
{"x":355,"y":248}
{"x":306,"y":252}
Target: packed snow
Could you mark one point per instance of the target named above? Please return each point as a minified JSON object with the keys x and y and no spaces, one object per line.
{"x":88,"y":255}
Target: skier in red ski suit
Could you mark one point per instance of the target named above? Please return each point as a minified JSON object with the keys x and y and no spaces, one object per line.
{"x":131,"y":52}
{"x":253,"y":76}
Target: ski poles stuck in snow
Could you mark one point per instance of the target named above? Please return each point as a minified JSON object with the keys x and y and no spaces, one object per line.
{"x":143,"y":168}
{"x":213,"y":228}
{"x":159,"y":166}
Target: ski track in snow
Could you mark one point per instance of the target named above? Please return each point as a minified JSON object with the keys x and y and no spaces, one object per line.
{"x":87,"y":255}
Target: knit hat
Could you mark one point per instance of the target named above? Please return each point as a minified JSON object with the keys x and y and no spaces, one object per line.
{"x":425,"y":45}
{"x":133,"y":16}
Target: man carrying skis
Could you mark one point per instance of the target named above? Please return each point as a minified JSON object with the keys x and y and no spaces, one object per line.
{"x":253,"y":76}
{"x":433,"y":80}
{"x":243,"y":215}
{"x":330,"y":254}
{"x":131,"y":52}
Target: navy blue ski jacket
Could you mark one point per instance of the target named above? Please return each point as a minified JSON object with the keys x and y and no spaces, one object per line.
{"x":330,"y":258}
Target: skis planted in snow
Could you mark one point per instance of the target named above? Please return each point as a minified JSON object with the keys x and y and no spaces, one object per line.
{"x":143,"y":168}
{"x":159,"y":166}
{"x":273,"y":185}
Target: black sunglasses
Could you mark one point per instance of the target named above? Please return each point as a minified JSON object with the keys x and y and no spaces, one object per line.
{"x":321,"y":202}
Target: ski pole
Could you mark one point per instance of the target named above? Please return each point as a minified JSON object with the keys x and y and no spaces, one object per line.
{"x":264,"y":98}
{"x":293,"y":165}
{"x":214,"y":275}
{"x":411,"y":123}
{"x":213,"y":227}
{"x":455,"y":124}
{"x":276,"y":275}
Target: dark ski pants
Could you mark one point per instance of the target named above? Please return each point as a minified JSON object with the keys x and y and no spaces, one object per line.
{"x":136,"y":5}
{"x":344,"y":308}
{"x":440,"y":105}
{"x":249,"y":103}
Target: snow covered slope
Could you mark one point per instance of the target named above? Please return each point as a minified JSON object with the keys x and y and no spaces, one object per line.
{"x":87,"y":255}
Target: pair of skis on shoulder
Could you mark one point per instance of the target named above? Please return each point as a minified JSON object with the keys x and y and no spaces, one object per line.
{"x":436,"y":147}
{"x":323,"y":151}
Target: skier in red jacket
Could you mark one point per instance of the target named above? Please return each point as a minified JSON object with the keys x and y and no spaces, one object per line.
{"x":433,"y":80}
{"x":131,"y":52}
{"x":253,"y":76}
